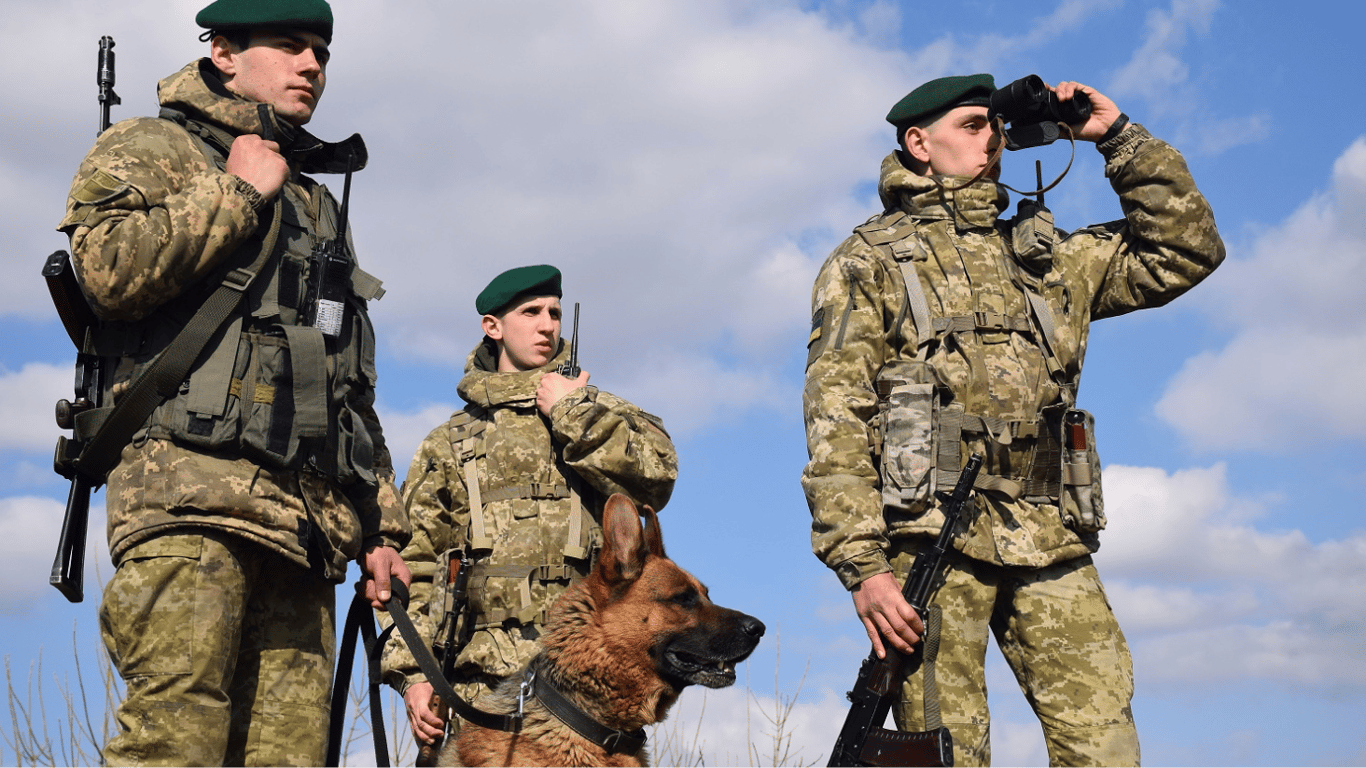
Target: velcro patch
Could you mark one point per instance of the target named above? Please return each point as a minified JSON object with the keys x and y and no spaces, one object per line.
{"x":820,"y":331}
{"x":101,"y":187}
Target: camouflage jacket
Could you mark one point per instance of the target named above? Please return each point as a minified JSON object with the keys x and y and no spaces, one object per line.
{"x":155,"y":224}
{"x":964,"y":258}
{"x":594,"y":443}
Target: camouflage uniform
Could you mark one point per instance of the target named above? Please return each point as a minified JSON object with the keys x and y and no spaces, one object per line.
{"x":1004,"y":356}
{"x":207,"y":519}
{"x":530,"y":470}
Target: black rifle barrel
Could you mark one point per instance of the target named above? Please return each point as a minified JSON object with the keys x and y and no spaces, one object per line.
{"x":104,"y":78}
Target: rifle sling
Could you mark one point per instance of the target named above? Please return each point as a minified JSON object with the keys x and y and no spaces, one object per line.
{"x":162,"y":379}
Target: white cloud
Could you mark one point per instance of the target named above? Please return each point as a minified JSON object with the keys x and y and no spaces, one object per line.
{"x":735,"y":726}
{"x":1291,"y":372}
{"x":1159,"y":75}
{"x":669,"y":157}
{"x":404,"y":432}
{"x":1204,"y":595}
{"x":36,"y":523}
{"x":27,"y":400}
{"x":1156,"y":67}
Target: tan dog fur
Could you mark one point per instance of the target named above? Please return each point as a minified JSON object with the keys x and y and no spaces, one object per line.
{"x":622,"y":644}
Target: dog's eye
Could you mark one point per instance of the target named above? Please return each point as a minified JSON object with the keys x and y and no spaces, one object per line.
{"x":688,"y":598}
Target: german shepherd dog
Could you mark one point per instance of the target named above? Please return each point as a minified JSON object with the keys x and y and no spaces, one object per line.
{"x":620,"y":645}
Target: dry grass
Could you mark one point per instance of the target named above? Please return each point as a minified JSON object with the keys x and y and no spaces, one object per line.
{"x":58,"y":721}
{"x":70,"y":735}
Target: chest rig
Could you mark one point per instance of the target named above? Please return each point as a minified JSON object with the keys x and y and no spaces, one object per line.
{"x":517,"y":569}
{"x":924,"y":425}
{"x":268,"y":385}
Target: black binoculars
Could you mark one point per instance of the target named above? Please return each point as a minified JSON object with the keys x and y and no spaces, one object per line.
{"x":1034,"y":112}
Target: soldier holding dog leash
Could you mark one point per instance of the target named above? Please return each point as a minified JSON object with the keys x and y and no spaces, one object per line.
{"x":506,"y":497}
{"x":258,"y":473}
{"x":941,"y":329}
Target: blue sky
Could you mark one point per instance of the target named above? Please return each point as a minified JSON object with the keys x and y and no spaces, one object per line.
{"x":689,"y":165}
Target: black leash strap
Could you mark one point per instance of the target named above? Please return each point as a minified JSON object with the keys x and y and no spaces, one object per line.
{"x":358,"y":622}
{"x":397,"y":607}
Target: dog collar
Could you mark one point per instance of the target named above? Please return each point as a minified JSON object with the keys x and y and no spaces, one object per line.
{"x":555,"y":702}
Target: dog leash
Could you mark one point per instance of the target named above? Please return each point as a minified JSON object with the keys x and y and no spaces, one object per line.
{"x":358,"y":622}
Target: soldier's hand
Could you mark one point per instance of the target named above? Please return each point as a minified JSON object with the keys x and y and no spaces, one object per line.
{"x":1103,"y":111}
{"x":427,"y":727}
{"x":554,"y":386}
{"x":379,"y":567}
{"x":259,"y":163}
{"x":886,"y":614}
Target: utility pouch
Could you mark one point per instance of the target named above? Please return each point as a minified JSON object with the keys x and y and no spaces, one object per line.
{"x":908,"y":406}
{"x":1080,"y":501}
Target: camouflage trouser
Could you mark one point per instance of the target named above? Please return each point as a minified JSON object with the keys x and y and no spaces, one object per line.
{"x":1059,"y":636}
{"x":227,"y":651}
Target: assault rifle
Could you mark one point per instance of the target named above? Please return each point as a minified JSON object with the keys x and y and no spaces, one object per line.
{"x":68,"y":568}
{"x":570,"y":368}
{"x":448,"y":644}
{"x":863,"y":740}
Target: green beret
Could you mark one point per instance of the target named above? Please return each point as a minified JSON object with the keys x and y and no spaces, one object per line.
{"x":538,"y":280}
{"x":940,"y":96}
{"x":313,"y":15}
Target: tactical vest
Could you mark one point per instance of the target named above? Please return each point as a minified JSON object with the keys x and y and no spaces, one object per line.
{"x":268,"y":387}
{"x":923,"y":426}
{"x":503,"y":575}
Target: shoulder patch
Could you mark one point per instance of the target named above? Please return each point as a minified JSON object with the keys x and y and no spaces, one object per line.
{"x":883,"y":229}
{"x":1107,"y":230}
{"x":820,"y":334}
{"x":100,"y":188}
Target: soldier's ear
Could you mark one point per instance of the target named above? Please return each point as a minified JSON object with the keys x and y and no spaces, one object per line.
{"x":915,"y":143}
{"x":223,"y":55}
{"x":492,"y":328}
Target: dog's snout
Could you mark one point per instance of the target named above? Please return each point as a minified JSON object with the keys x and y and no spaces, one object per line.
{"x":752,"y":627}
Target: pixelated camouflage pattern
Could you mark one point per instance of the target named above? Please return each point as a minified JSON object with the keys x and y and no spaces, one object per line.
{"x":597,"y":440}
{"x":1166,"y":244}
{"x":150,"y":216}
{"x":227,"y":652}
{"x":1058,"y":634}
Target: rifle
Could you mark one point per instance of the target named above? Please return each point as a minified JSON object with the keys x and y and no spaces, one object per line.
{"x":570,"y":368}
{"x":863,"y":740}
{"x":68,"y":568}
{"x":448,"y":645}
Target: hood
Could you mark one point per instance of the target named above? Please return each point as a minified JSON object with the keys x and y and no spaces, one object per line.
{"x":197,"y":92}
{"x":484,"y":386}
{"x":926,"y":197}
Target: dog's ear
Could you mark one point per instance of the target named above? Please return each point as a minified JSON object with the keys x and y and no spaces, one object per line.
{"x":623,"y":546}
{"x":654,"y":539}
